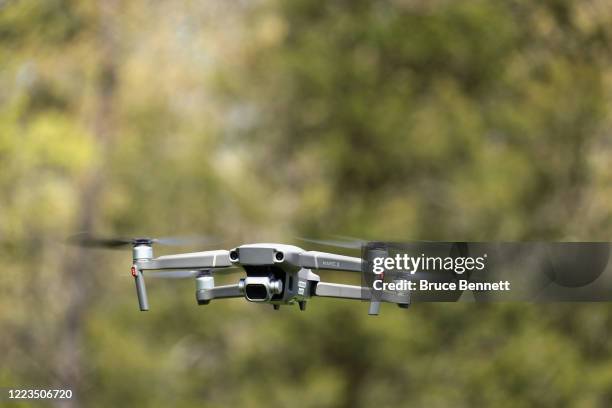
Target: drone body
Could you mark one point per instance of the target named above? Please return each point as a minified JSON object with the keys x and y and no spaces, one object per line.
{"x":276,"y":274}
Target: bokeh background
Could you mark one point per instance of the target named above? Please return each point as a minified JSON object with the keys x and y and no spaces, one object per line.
{"x":271,"y":120}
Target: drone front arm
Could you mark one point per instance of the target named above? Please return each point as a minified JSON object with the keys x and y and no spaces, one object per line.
{"x":192,"y":261}
{"x":324,"y":260}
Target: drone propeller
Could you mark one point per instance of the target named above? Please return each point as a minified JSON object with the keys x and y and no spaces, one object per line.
{"x":91,"y":241}
{"x":342,"y":242}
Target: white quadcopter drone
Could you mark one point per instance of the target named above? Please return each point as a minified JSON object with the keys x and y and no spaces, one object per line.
{"x":277,"y":274}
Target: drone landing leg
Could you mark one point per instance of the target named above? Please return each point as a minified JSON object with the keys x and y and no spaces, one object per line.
{"x":141,"y":291}
{"x":374,"y":308}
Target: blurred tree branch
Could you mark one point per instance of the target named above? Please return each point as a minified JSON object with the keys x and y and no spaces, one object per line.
{"x":79,"y":271}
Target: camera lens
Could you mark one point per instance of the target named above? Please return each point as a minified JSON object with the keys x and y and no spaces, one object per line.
{"x":233,"y":255}
{"x":279,"y":256}
{"x":256,"y":292}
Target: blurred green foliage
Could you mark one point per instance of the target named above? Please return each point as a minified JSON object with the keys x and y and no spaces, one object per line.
{"x":268,"y":120}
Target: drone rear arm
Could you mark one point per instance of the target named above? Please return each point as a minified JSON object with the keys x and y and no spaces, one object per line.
{"x":218,"y":292}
